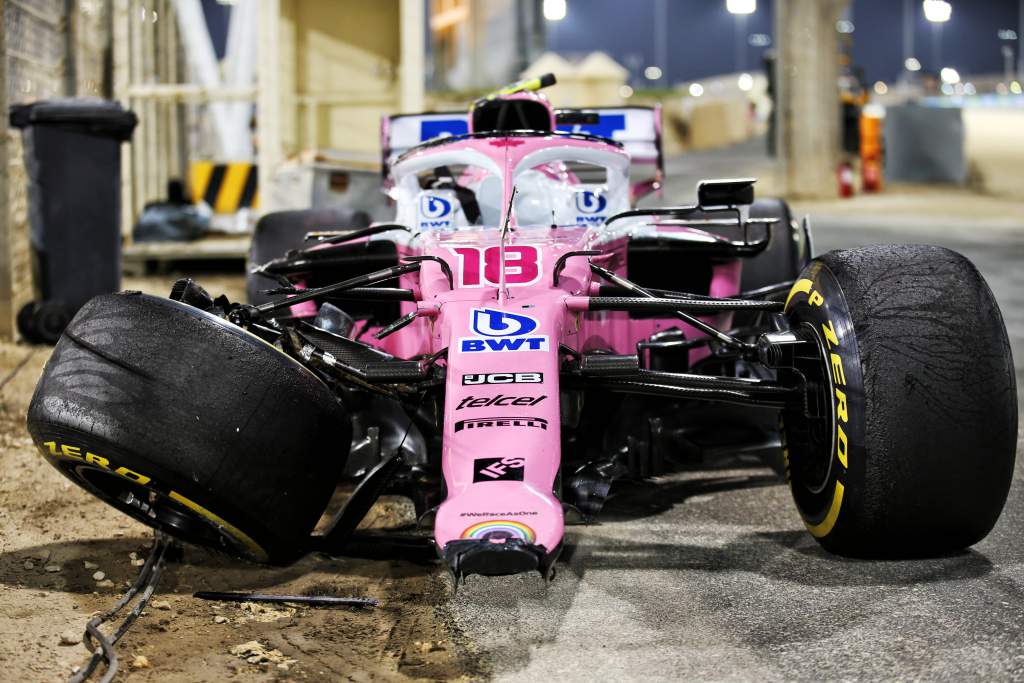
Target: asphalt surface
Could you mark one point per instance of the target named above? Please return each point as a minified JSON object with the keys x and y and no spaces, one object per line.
{"x":711,"y":576}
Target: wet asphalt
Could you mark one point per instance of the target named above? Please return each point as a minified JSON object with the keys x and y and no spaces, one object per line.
{"x":710,"y":575}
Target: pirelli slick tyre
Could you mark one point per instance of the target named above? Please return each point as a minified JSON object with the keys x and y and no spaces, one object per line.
{"x":914,"y":451}
{"x":191,"y":425}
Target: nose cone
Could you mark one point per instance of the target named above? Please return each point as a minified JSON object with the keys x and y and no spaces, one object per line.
{"x":502,"y":438}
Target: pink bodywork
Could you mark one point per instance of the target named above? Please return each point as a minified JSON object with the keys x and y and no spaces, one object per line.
{"x":521,"y":429}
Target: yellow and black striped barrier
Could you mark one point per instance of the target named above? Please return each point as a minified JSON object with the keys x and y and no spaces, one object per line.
{"x":225,"y":187}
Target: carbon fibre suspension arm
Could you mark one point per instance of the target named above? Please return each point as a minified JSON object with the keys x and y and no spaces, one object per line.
{"x":747,"y":349}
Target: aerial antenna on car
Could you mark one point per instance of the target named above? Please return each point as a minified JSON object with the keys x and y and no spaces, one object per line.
{"x":525,"y":85}
{"x":505,"y":229}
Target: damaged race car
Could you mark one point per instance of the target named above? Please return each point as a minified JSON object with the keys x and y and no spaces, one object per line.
{"x":521,"y":338}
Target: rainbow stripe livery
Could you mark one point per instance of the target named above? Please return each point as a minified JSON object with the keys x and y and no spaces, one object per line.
{"x":499,"y":529}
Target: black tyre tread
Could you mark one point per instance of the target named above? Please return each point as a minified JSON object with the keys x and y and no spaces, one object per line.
{"x":199,"y":405}
{"x":941,"y":404}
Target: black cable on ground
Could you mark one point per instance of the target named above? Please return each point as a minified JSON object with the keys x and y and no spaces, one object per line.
{"x":147,"y":580}
{"x":17,"y":368}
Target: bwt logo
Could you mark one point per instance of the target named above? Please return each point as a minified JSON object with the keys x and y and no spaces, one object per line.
{"x":432,"y":206}
{"x":492,"y":323}
{"x":501,"y":331}
{"x":590,"y":202}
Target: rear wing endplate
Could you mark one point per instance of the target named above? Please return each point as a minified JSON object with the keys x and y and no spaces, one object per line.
{"x":400,"y":133}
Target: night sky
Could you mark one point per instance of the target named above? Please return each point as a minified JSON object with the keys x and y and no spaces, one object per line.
{"x":702,"y":35}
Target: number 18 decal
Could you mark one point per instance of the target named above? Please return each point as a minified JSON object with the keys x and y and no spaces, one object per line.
{"x":478,"y":267}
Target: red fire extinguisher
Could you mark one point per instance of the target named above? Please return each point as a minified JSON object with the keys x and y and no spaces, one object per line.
{"x":844,"y":174}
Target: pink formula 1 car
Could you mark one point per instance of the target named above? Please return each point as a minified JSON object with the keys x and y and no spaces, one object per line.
{"x":521,"y":338}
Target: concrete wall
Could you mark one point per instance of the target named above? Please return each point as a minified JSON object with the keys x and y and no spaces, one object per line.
{"x":17,"y":260}
{"x":994,"y":146}
{"x":482,"y":51}
{"x":6,"y":316}
{"x":338,"y":72}
{"x":808,"y":94}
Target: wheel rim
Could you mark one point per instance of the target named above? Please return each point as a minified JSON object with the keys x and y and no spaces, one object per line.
{"x":158,"y":510}
{"x":816,"y":470}
{"x":816,"y":465}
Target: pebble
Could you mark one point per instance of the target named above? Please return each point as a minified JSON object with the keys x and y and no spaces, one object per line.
{"x":99,"y":576}
{"x":105,"y":583}
{"x":140,"y":662}
{"x":52,"y":568}
{"x":29,"y":564}
{"x":255,"y":653}
{"x":138,"y":563}
{"x":90,"y":565}
{"x":161,"y":604}
{"x":71,"y":637}
{"x":220,"y":619}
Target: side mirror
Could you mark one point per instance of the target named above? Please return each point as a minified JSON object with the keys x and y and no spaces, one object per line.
{"x":721,"y":193}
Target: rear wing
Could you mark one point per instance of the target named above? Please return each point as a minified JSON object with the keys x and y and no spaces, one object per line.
{"x":400,"y":133}
{"x":638,"y":129}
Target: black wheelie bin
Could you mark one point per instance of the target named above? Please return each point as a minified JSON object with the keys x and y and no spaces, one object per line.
{"x":73,"y":162}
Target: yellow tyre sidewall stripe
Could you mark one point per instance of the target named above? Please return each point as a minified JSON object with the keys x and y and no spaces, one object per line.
{"x":68,"y":458}
{"x":811,"y":289}
{"x":801,"y":286}
{"x":257,"y":551}
{"x":824,"y":527}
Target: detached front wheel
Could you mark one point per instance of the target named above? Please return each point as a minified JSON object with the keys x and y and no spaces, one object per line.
{"x":907,"y":445}
{"x":191,"y":425}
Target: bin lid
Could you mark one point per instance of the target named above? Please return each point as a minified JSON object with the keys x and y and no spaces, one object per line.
{"x":88,"y":115}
